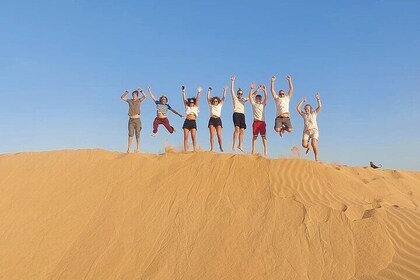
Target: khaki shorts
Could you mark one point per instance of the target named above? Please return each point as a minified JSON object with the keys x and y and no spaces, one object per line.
{"x":134,"y":125}
{"x":283,"y":122}
{"x":311,"y":133}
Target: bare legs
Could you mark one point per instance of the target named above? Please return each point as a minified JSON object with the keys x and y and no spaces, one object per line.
{"x":314,"y":144}
{"x":254,"y":141}
{"x":241,"y":139}
{"x":130,"y":141}
{"x":235,"y":136}
{"x":238,"y":132}
{"x":193,"y":139}
{"x":186,"y":132}
{"x":218,"y":131}
{"x":264,"y":140}
{"x":219,"y":137}
{"x":282,"y":129}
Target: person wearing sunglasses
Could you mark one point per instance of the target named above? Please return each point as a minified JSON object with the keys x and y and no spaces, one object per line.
{"x":310,"y":129}
{"x":191,"y":114}
{"x":215,"y":122}
{"x":134,"y":122}
{"x":162,"y":108}
{"x":282,"y":100}
{"x":238,"y":114}
{"x":258,"y":108}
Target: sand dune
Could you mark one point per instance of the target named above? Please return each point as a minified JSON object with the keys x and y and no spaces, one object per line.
{"x":94,"y":214}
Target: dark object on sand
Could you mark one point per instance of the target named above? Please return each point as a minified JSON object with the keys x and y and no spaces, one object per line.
{"x":375,"y":166}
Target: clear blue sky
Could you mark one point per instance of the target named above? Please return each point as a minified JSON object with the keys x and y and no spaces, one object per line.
{"x":64,"y":65}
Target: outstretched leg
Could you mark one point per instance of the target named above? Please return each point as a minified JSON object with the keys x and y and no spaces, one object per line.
{"x":137,"y":144}
{"x":314,"y":143}
{"x":186,"y":132}
{"x":194,"y":138}
{"x":212,"y":130}
{"x":264,"y":140}
{"x":155,"y":126}
{"x":219,"y":137}
{"x":241,"y":139}
{"x":235,"y":136}
{"x":130,"y":140}
{"x":254,"y":140}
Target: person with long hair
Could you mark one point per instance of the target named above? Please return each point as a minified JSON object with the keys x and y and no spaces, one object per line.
{"x":215,"y":122}
{"x":191,"y":114}
{"x":310,"y":130}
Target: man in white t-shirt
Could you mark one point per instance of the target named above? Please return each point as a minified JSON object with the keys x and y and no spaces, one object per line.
{"x":310,"y":129}
{"x":282,"y":122}
{"x":258,"y":108}
{"x":238,"y":114}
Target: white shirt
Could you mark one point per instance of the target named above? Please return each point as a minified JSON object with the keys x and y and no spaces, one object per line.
{"x":258,"y":111}
{"x":191,"y":110}
{"x":282,"y":104}
{"x":309,"y":121}
{"x":238,"y":104}
{"x":216,"y":110}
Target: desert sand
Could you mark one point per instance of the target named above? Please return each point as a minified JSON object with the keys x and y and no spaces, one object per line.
{"x":95,"y":214}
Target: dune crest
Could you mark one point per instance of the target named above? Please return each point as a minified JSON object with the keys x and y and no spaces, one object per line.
{"x":94,"y":214}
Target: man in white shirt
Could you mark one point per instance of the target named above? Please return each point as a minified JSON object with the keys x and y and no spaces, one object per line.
{"x":238,"y":114}
{"x":282,"y":122}
{"x":310,"y":130}
{"x":258,"y":107}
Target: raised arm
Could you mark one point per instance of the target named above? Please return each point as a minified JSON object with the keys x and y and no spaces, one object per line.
{"x":184,"y":97}
{"x":265,"y":95}
{"x":197,"y":98}
{"x":289,"y":80}
{"x":143,"y":97}
{"x":151,"y":94}
{"x":318,"y":99}
{"x":252,"y":93}
{"x":208,"y":95}
{"x":124,"y":96}
{"x":300,"y":104}
{"x":224,"y":94}
{"x":273,"y":91}
{"x":175,"y":112}
{"x":232,"y":86}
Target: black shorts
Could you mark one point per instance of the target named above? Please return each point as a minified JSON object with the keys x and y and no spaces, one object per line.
{"x":189,"y":124}
{"x":215,"y":122}
{"x":239,"y":120}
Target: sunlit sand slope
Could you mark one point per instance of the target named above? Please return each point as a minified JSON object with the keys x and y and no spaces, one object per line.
{"x":94,"y":214}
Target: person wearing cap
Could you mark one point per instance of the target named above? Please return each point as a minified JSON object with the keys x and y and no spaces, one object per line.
{"x":162,"y":108}
{"x":238,"y":114}
{"x":258,"y":108}
{"x":134,"y":122}
{"x":191,"y":114}
{"x":310,"y":129}
{"x":282,"y":122}
{"x":215,"y":122}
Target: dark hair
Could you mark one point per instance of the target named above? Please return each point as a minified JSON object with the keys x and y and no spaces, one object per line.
{"x":281,"y":91}
{"x":215,"y":98}
{"x":258,"y":96}
{"x":308,"y":105}
{"x":163,"y":96}
{"x":136,"y":92}
{"x":191,"y":99}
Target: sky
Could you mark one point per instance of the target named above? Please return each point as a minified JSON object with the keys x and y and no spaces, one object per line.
{"x":65,"y":64}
